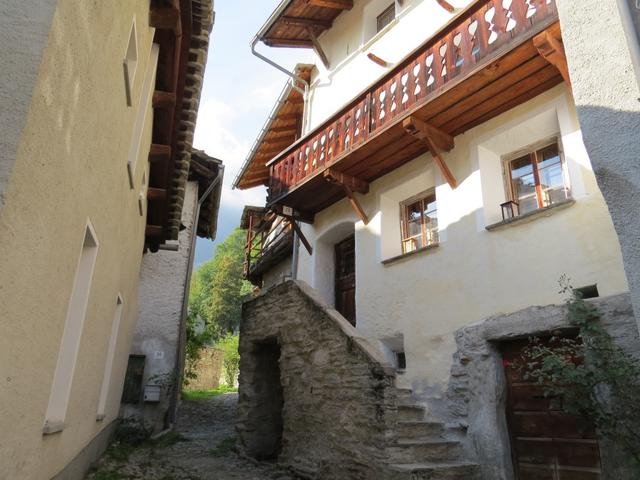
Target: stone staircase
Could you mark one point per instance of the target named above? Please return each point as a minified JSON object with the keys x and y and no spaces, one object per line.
{"x":421,"y":449}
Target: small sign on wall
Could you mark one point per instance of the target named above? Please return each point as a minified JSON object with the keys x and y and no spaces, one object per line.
{"x":152,"y":393}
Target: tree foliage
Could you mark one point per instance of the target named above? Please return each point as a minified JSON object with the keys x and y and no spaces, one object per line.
{"x":595,"y":378}
{"x":215,"y":298}
{"x":231,"y":359}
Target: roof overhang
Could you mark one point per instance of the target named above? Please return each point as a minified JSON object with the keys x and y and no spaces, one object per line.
{"x":205,"y":169}
{"x":294,"y":23}
{"x":282,"y":128}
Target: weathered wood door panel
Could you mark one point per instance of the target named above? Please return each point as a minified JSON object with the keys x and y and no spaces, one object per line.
{"x":546,"y":442}
{"x":345,"y":284}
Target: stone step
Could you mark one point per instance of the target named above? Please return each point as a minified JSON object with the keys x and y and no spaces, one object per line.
{"x":404,"y":395}
{"x":410,"y":412}
{"x":423,"y":450}
{"x":434,"y":471}
{"x":414,"y":429}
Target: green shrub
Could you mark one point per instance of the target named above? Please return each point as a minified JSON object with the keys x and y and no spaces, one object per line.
{"x":231,"y":360}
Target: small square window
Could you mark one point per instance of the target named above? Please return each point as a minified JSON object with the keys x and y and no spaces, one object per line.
{"x":536,"y":179}
{"x":386,"y":17}
{"x":401,"y":360}
{"x":419,"y":222}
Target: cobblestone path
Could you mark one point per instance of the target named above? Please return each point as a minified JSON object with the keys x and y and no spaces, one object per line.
{"x":202,"y":449}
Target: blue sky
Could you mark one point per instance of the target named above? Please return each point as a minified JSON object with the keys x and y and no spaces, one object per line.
{"x":238,"y":94}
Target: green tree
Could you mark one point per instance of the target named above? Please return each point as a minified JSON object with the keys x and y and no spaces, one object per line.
{"x":215,"y":297}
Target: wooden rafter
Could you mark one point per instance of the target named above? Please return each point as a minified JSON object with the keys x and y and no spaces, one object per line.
{"x":159,"y":153}
{"x":305,"y":22}
{"x":350,"y":184}
{"x":156,"y":194}
{"x":376,"y":59}
{"x":317,"y":47}
{"x":288,"y":42}
{"x":549,"y":45}
{"x":435,"y":139}
{"x":335,"y":4}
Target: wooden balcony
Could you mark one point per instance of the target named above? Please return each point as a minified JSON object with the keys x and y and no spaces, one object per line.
{"x":269,"y":241}
{"x":489,"y":59}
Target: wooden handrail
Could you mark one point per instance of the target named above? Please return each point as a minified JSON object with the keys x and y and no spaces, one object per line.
{"x":459,"y":49}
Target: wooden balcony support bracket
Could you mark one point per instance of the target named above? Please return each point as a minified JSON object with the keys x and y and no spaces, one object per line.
{"x":549,"y":45}
{"x":436,"y":140}
{"x":317,"y":47}
{"x":303,"y":239}
{"x":335,"y":4}
{"x":446,"y":5}
{"x":349,"y":185}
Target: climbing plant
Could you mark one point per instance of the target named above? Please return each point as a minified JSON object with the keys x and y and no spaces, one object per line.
{"x":595,"y":378}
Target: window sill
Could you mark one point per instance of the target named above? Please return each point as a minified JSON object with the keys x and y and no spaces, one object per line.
{"x":397,"y":258}
{"x":100,"y":418}
{"x":51,"y":428}
{"x":530,"y":216}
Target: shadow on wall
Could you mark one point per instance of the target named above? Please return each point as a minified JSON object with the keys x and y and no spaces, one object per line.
{"x":324,"y":259}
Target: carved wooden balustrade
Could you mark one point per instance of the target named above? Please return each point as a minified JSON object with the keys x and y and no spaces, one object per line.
{"x":461,"y":49}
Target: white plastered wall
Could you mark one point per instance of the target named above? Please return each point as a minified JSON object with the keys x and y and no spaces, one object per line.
{"x":350,"y":39}
{"x":473,"y":273}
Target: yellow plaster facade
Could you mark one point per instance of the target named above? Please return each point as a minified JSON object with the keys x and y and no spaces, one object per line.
{"x":71,"y":169}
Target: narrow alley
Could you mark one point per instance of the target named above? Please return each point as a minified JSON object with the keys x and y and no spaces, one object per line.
{"x":202,"y":448}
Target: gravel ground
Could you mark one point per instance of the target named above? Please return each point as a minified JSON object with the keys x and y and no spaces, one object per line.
{"x":202,"y":449}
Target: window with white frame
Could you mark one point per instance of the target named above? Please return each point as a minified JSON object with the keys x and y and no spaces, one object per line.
{"x":536,"y":178}
{"x":72,"y":334}
{"x":419,"y":221}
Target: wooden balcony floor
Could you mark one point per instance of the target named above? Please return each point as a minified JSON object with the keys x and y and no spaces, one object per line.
{"x":516,"y":74}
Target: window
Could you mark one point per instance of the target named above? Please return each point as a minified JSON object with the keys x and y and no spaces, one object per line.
{"x":401,"y":360}
{"x":72,"y":334}
{"x":419,"y":222}
{"x":536,"y":179}
{"x":386,"y":17}
{"x":130,"y":62}
{"x":111,"y":350}
{"x":132,"y":391}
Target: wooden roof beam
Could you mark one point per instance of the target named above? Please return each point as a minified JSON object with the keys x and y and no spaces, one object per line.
{"x":153,"y":231}
{"x":156,"y":194}
{"x":349,"y":184}
{"x":434,"y":138}
{"x":550,"y":47}
{"x":335,"y":4}
{"x":306,"y":22}
{"x":288,"y":42}
{"x":289,"y":212}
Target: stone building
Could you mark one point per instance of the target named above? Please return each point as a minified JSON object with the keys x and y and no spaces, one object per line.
{"x":99,"y":103}
{"x":158,"y":343}
{"x":434,"y":177}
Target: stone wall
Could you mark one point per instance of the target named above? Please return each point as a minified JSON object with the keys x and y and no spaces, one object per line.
{"x":477,"y":388}
{"x":338,"y":399}
{"x":208,"y":370}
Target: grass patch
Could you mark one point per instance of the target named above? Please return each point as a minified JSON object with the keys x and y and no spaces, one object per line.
{"x":198,"y":395}
{"x":225,"y":447}
{"x":120,"y":452}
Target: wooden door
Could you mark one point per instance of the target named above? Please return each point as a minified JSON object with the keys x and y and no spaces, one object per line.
{"x":546,"y":443}
{"x":345,"y":284}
